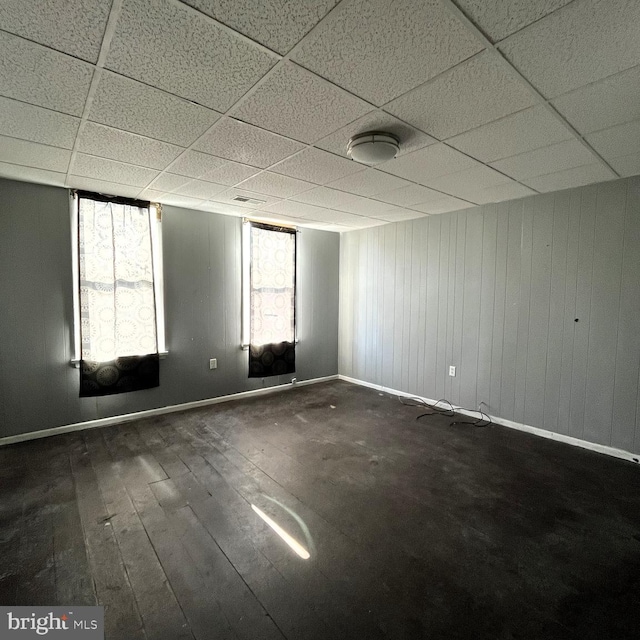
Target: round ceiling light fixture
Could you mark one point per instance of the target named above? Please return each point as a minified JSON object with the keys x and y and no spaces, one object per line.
{"x":373,"y":147}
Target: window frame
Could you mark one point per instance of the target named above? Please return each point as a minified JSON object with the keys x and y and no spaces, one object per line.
{"x":155,"y":228}
{"x":245,"y":323}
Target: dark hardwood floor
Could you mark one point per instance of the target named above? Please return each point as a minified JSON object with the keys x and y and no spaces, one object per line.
{"x":415,"y":529}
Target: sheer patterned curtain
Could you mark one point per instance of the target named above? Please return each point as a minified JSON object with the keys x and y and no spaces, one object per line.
{"x":117,"y":301}
{"x":273,"y":287}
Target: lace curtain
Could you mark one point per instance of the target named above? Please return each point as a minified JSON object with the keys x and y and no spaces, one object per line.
{"x":273,"y":274}
{"x":117,"y":302}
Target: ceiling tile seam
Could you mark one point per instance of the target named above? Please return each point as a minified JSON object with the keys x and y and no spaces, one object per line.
{"x":165,"y":91}
{"x":44,"y":144}
{"x":498,"y":55}
{"x":109,"y":32}
{"x":254,"y":88}
{"x":526,"y":26}
{"x":29,"y":166}
{"x":37,"y":106}
{"x":48,"y":47}
{"x":229,"y":30}
{"x":593,"y":83}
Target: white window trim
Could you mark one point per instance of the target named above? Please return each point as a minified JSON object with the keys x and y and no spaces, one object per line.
{"x":155,"y":224}
{"x":245,"y":327}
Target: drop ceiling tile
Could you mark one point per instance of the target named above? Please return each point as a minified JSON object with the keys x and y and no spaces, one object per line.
{"x":103,"y":186}
{"x":429,"y":162}
{"x":245,"y":143}
{"x":114,"y":144}
{"x":293,"y":209}
{"x":317,"y":166}
{"x":621,"y":140}
{"x":399,"y":216}
{"x":627,"y":165}
{"x":200,"y":189}
{"x":29,"y":174}
{"x":614,"y":100}
{"x":576,"y":177}
{"x":475,"y":92}
{"x":408,"y":196}
{"x":230,"y":173}
{"x":368,"y":183}
{"x":166,"y":182}
{"x":149,"y":194}
{"x":126,"y":104}
{"x":339,"y":217}
{"x":227,"y":197}
{"x":75,"y":27}
{"x":367,"y":207}
{"x":175,"y":200}
{"x":556,"y":157}
{"x":443,"y":205}
{"x":523,"y":131}
{"x":195,"y":164}
{"x":24,"y":121}
{"x":410,"y":137}
{"x":111,"y":171}
{"x":300,"y":105}
{"x":500,"y":18}
{"x":275,"y":24}
{"x":266,"y":216}
{"x":498,"y":193}
{"x":37,"y":75}
{"x":379,"y":50}
{"x":578,"y":44}
{"x":224,"y":209}
{"x":173,"y":48}
{"x":325,"y":197}
{"x":32,"y":154}
{"x":465,"y":184}
{"x":274,"y":184}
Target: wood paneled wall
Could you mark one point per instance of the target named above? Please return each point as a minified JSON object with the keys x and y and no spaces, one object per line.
{"x":535,"y":301}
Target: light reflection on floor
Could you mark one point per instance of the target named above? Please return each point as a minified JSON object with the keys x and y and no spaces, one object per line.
{"x":292,"y":542}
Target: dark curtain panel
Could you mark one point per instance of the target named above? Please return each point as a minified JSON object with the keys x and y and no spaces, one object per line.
{"x":129,"y":373}
{"x":272,"y":359}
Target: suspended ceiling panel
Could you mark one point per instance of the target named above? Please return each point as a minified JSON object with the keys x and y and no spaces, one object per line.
{"x":196,"y":103}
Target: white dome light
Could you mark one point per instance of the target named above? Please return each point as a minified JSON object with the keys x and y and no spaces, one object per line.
{"x":373,"y":147}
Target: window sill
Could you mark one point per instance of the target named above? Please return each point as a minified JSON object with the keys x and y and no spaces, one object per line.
{"x":75,"y":363}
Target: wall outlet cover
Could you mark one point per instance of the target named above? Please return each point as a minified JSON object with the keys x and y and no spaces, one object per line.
{"x":452,"y":371}
{"x":213,"y":363}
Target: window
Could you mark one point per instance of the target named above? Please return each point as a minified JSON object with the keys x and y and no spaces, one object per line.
{"x":269,"y":298}
{"x":118,"y":293}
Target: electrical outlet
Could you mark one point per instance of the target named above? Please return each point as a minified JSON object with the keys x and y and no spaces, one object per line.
{"x":213,"y":363}
{"x":452,"y":371}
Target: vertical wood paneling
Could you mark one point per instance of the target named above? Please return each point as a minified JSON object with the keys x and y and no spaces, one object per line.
{"x":500,"y":285}
{"x":488,"y":281}
{"x":524,"y":306}
{"x":556,"y":310}
{"x":538,"y":325}
{"x":512,"y":303}
{"x":625,"y":398}
{"x":434,"y":248}
{"x":495,"y":291}
{"x":471,"y":290}
{"x":605,"y":305}
{"x":582,"y":311}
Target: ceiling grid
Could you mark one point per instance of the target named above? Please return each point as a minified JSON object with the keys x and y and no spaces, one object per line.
{"x":192,"y":102}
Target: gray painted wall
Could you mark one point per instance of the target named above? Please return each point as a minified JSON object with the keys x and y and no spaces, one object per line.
{"x":495,"y":291}
{"x":202,"y":262}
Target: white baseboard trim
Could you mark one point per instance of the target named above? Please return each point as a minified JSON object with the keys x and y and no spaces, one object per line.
{"x":544,"y":433}
{"x":128,"y":417}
